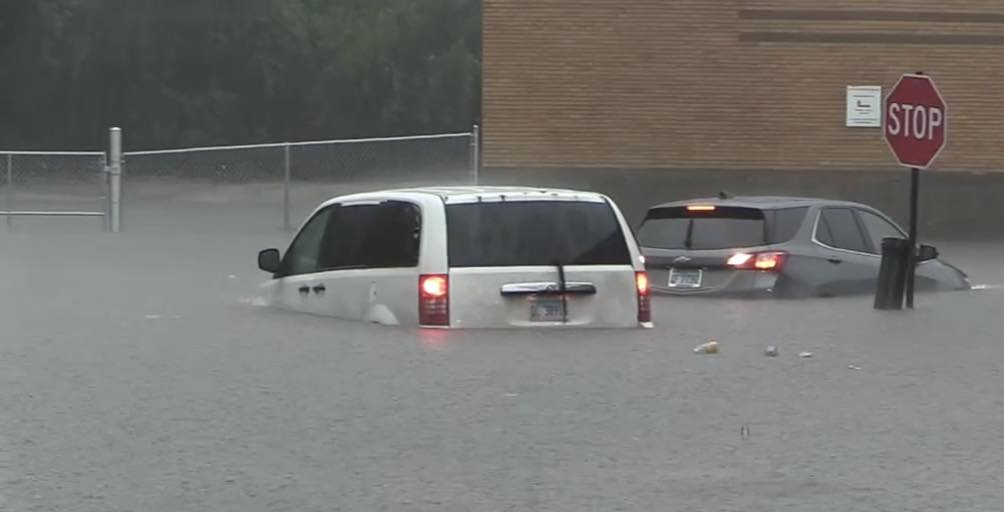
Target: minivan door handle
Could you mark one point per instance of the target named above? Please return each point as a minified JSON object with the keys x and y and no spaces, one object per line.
{"x":834,"y":260}
{"x":552,"y":288}
{"x":319,"y":289}
{"x":304,"y":289}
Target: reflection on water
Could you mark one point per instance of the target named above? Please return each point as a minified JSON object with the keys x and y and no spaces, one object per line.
{"x":256,"y":301}
{"x":434,"y":339}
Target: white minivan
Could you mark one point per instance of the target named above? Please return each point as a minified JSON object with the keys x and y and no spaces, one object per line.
{"x":465,"y":257}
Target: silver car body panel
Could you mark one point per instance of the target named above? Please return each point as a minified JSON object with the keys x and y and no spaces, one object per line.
{"x":812,"y":268}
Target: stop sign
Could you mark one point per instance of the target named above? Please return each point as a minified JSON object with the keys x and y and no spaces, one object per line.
{"x":916,"y":121}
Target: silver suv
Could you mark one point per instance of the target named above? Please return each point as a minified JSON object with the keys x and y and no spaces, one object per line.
{"x":465,"y":257}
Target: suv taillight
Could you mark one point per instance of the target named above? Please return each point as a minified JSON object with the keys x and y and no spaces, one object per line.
{"x":434,"y":300}
{"x":768,"y":261}
{"x":644,"y":296}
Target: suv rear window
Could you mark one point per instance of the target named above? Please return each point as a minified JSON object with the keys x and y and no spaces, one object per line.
{"x":520,"y":233}
{"x":725,"y":227}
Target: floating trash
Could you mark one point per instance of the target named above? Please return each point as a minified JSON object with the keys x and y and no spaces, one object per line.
{"x":771,"y":351}
{"x":709,"y":347}
{"x":805,"y":355}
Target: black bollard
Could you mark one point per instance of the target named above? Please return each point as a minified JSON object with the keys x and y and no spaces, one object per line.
{"x":892,"y":273}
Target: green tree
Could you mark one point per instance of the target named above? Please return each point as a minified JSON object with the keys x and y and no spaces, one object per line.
{"x":193,"y":72}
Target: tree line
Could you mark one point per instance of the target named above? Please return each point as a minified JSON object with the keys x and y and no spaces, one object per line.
{"x":202,"y":72}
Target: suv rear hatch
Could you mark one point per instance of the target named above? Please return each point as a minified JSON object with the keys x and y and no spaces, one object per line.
{"x":551,"y":262}
{"x":704,"y":248}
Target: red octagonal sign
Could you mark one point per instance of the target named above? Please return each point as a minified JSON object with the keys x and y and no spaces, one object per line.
{"x":916,"y":121}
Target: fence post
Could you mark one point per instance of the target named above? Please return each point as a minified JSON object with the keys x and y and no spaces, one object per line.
{"x":106,"y":183}
{"x":10,"y":190}
{"x":286,"y":224}
{"x":115,"y":177}
{"x":475,"y":154}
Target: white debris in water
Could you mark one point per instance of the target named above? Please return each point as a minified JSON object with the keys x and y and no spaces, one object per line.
{"x":710,"y":347}
{"x":981,"y":287}
{"x":153,"y":317}
{"x":805,"y":355}
{"x":853,"y":367}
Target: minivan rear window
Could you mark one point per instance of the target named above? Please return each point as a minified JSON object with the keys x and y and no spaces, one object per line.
{"x":533,"y":233}
{"x":722,"y":228}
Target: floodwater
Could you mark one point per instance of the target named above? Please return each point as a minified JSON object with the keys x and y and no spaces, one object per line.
{"x":139,"y":372}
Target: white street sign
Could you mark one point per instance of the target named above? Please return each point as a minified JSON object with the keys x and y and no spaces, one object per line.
{"x":864,"y":106}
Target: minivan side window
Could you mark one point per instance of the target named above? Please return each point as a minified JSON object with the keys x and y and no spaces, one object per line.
{"x":384,"y":235}
{"x":838,"y":228}
{"x":878,"y":228}
{"x":302,"y":255}
{"x":398,"y":230}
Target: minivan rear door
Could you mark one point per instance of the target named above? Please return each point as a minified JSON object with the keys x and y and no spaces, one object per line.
{"x":539,"y":262}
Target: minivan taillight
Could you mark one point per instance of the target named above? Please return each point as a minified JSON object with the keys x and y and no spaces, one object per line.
{"x":644,"y":291}
{"x":768,"y":261}
{"x":434,"y":300}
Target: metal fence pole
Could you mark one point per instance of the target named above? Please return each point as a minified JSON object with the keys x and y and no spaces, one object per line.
{"x":115,"y":177}
{"x":106,"y":183}
{"x":10,"y":189}
{"x":475,"y":154}
{"x":286,"y":224}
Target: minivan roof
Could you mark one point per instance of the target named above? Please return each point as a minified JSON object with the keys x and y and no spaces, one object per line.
{"x":462,"y":194}
{"x":760,"y":202}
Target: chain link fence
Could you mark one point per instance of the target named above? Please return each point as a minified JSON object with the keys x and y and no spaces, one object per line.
{"x":271,"y":185}
{"x":225,"y":188}
{"x":53,"y":184}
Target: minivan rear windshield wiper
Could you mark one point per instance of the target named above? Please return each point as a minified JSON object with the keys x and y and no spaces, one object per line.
{"x":562,"y":288}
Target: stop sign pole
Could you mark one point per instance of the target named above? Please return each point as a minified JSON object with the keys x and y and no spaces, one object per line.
{"x":915,"y":127}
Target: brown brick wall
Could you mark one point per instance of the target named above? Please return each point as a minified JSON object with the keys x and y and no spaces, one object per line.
{"x":730,"y":83}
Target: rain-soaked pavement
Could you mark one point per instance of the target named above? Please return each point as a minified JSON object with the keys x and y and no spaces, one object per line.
{"x":139,"y":373}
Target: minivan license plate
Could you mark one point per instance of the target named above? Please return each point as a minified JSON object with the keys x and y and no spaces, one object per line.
{"x":685,"y":278}
{"x":547,"y":309}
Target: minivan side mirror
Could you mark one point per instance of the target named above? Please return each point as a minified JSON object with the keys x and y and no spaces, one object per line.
{"x":926,"y":253}
{"x":269,"y":260}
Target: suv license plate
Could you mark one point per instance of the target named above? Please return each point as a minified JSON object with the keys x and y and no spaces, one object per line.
{"x":688,"y":278}
{"x":547,"y":309}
